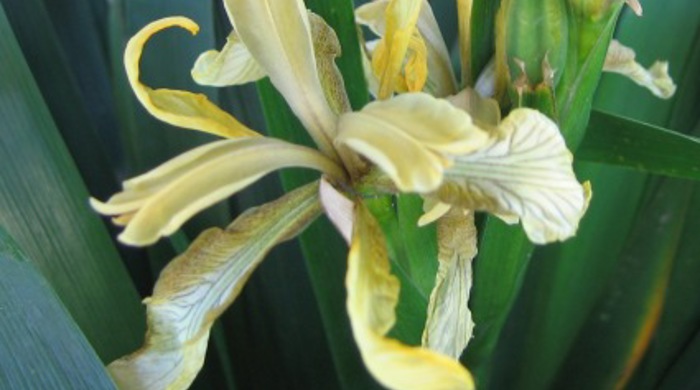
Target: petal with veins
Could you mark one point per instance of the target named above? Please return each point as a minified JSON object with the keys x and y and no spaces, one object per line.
{"x":449,"y":325}
{"x":178,"y":108}
{"x":161,"y":201}
{"x":278,"y":35}
{"x":373,"y":293}
{"x":621,"y":59}
{"x":233,"y":65}
{"x":484,"y":111}
{"x":197,"y":286}
{"x":526,"y":174}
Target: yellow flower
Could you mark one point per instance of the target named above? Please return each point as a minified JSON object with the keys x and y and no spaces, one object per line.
{"x":518,"y":168}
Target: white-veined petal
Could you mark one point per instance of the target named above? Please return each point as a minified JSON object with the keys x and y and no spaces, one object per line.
{"x":449,"y":324}
{"x":527,"y":174}
{"x":197,"y":286}
{"x":161,"y":203}
{"x":178,"y":108}
{"x":373,"y":293}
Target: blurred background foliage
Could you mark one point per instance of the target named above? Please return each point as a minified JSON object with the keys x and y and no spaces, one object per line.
{"x":618,"y":306}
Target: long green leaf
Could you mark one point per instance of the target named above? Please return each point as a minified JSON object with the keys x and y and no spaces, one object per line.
{"x":621,"y":141}
{"x":41,"y":345}
{"x":629,"y":311}
{"x":43,"y":205}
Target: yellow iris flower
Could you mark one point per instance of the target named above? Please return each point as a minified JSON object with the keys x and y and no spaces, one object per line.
{"x":518,"y":168}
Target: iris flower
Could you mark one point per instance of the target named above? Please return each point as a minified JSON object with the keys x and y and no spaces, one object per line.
{"x":519,"y":169}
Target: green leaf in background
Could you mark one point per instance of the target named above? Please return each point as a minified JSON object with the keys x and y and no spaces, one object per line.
{"x":629,"y":312}
{"x":48,"y":63}
{"x":620,"y":141}
{"x":43,"y":205}
{"x":42,"y":348}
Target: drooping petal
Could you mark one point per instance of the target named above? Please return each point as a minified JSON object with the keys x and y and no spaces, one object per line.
{"x":372,"y":297}
{"x":440,"y":80}
{"x":410,"y":136}
{"x":621,"y":59}
{"x":278,"y":35}
{"x":526,"y":174}
{"x":449,"y":325}
{"x":197,"y":286}
{"x":233,"y":65}
{"x":162,"y":200}
{"x":178,"y":108}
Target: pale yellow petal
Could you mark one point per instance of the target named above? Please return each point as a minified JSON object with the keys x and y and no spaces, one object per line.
{"x":449,"y":324}
{"x":161,"y":204}
{"x":372,"y":297}
{"x":621,"y":59}
{"x":278,"y":35}
{"x":410,"y":137}
{"x":197,"y":286}
{"x":527,"y":174}
{"x":233,"y":65}
{"x":178,"y":108}
{"x":433,"y":209}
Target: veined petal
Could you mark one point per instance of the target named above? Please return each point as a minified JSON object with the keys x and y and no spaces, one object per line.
{"x":278,"y":35}
{"x":526,"y":174}
{"x":197,"y":286}
{"x":449,"y":325}
{"x":621,"y":59}
{"x":233,"y":65}
{"x":178,"y":108}
{"x":440,"y":80}
{"x":327,"y":49}
{"x":410,"y":137}
{"x":372,"y":297}
{"x":163,"y":200}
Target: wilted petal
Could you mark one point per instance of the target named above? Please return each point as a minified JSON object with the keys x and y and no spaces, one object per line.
{"x":178,"y":108}
{"x":440,"y":80}
{"x":162,"y":200}
{"x":278,"y":35}
{"x":410,"y":136}
{"x":233,"y":65}
{"x":526,"y":174}
{"x":372,"y":297}
{"x":449,"y":325}
{"x":197,"y":286}
{"x":620,"y":59}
